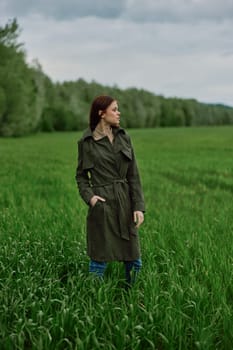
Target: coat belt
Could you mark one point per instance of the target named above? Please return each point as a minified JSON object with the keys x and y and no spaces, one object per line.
{"x":123,"y":218}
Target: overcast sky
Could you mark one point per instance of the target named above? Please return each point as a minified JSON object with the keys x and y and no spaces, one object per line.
{"x":181,"y":48}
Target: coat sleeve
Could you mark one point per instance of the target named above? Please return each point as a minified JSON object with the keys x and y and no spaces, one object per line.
{"x":135,"y":187}
{"x":82,"y":176}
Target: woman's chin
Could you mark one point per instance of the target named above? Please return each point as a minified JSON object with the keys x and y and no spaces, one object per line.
{"x":116,"y":125}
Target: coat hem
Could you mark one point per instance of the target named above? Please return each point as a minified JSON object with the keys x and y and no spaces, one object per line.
{"x":115,"y":259}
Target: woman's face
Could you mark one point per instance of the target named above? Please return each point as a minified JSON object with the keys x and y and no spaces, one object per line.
{"x":111,"y":115}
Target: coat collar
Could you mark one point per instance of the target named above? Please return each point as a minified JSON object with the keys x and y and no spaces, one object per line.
{"x":88,"y":133}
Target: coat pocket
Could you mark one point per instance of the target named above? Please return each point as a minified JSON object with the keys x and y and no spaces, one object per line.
{"x":95,"y":217}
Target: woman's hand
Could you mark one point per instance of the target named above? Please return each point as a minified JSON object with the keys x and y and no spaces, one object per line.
{"x":95,"y":199}
{"x":138,"y":218}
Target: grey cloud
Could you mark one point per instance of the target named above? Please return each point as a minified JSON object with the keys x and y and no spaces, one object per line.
{"x":134,"y":10}
{"x":179,"y":10}
{"x":60,"y":9}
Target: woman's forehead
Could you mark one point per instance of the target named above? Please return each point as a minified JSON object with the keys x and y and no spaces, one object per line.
{"x":113,"y":104}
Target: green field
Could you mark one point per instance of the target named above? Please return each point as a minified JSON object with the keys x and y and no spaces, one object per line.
{"x":184,"y":296}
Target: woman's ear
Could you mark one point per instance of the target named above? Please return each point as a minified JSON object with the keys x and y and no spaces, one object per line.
{"x":101,"y":113}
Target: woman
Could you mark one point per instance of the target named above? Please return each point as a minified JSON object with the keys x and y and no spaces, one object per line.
{"x":108,"y":181}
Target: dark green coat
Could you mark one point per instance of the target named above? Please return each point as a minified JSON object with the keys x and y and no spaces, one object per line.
{"x":110,"y":171}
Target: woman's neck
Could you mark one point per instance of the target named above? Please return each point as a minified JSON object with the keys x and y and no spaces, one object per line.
{"x":103,"y":129}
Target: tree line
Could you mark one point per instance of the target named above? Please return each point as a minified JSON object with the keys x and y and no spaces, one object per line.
{"x":31,"y":102}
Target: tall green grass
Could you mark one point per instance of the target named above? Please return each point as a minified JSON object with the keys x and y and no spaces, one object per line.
{"x":183,"y":298}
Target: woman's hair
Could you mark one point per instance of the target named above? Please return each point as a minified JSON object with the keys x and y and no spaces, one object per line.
{"x":100,"y":103}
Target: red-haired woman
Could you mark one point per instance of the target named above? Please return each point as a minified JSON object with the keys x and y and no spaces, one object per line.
{"x":108,"y":180}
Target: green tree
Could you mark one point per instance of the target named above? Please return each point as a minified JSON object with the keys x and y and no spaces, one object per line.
{"x":17,"y":85}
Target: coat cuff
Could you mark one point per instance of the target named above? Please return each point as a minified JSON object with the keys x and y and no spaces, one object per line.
{"x":87,"y":195}
{"x":139,"y":206}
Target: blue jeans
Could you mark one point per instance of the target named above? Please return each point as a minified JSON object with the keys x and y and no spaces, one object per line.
{"x":131,"y":269}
